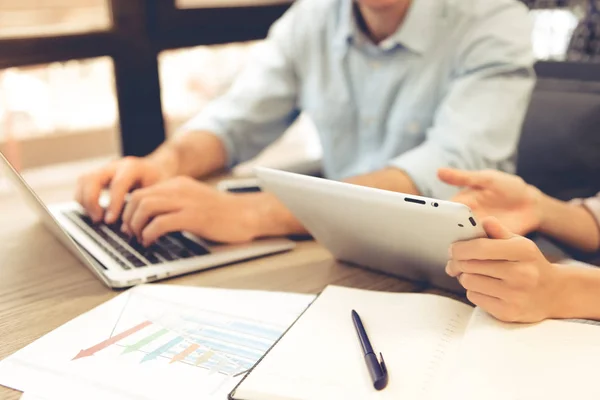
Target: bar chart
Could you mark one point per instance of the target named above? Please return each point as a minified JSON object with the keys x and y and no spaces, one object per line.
{"x":201,"y":338}
{"x":157,"y":342}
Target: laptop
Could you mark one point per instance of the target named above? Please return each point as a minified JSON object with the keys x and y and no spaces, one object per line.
{"x":120,"y":261}
{"x":394,"y":233}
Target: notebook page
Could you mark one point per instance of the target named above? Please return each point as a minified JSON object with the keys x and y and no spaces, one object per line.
{"x":321,"y":358}
{"x":550,"y":360}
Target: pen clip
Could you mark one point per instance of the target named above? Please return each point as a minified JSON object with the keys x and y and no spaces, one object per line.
{"x":382,"y":364}
{"x":381,"y":381}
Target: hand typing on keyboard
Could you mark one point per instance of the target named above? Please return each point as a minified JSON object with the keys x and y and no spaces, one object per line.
{"x":163,"y":200}
{"x":185,"y":204}
{"x":128,"y":252}
{"x":122,"y":176}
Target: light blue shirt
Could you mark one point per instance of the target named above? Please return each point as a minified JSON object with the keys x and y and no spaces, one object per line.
{"x":449,"y":88}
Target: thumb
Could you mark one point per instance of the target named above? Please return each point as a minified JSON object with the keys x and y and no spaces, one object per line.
{"x":495,"y":230}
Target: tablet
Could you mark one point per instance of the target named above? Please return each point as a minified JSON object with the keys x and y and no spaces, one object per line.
{"x":398,"y":234}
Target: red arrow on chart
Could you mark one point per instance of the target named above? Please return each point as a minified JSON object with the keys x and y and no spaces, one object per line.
{"x":100,"y":346}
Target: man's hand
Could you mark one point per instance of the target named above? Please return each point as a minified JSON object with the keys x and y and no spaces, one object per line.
{"x":507,"y":275}
{"x":494,"y":193}
{"x":184,"y":204}
{"x":392,"y":179}
{"x":121,"y":177}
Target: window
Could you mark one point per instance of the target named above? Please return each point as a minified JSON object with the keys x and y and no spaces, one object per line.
{"x":92,"y":65}
{"x":225,"y":3}
{"x":27,"y":18}
{"x":552,"y":31}
{"x":58,"y":112}
{"x":190,"y":78}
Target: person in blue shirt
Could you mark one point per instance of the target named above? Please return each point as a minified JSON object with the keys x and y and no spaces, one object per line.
{"x":396,"y":89}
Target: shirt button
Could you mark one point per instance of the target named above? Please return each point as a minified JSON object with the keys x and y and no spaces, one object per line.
{"x":375,"y":65}
{"x":369,"y":120}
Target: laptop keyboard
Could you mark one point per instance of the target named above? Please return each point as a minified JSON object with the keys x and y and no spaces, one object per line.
{"x":128,"y":252}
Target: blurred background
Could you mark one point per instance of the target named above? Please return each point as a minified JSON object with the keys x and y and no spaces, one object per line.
{"x":85,"y":80}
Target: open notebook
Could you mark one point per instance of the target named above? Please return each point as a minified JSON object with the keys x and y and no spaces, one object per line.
{"x":434,"y":348}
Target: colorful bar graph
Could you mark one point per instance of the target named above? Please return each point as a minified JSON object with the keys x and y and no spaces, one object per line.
{"x":145,"y":341}
{"x":162,"y":349}
{"x":181,"y":356}
{"x":108,"y":342}
{"x":219,"y":345}
{"x":234,"y":337}
{"x":204,"y":357}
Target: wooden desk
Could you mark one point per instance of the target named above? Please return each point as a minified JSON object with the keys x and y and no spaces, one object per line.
{"x":42,"y":286}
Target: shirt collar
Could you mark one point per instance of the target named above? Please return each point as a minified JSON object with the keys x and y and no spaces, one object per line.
{"x":346,"y":27}
{"x":416,"y":33}
{"x":418,"y":30}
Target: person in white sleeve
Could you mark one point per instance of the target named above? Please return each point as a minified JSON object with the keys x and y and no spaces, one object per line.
{"x":506,"y":274}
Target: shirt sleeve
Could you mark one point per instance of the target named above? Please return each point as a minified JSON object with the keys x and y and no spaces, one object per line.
{"x":478,"y":124}
{"x":593,"y":206}
{"x":262,"y":102}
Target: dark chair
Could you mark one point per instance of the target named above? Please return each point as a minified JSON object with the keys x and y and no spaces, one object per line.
{"x":559,"y":151}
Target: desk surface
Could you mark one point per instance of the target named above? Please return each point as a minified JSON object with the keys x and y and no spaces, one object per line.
{"x":42,"y":286}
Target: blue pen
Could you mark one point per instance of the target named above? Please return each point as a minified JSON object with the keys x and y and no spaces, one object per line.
{"x":377,"y":370}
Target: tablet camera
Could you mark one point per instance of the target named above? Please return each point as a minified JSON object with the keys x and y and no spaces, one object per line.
{"x":435,"y":204}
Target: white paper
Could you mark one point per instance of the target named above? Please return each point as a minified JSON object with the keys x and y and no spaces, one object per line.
{"x":549,"y":360}
{"x":321,"y":358}
{"x":28,"y":396}
{"x":155,"y":342}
